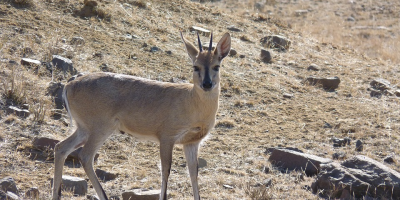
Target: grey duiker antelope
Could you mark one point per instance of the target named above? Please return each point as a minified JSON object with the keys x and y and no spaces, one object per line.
{"x":169,"y":113}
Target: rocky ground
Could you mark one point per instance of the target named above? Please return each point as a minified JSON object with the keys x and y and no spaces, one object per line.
{"x":331,"y":93}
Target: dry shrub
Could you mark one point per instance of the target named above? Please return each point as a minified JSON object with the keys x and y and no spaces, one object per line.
{"x":14,"y":87}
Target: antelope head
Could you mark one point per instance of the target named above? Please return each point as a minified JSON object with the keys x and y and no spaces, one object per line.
{"x":206,"y":64}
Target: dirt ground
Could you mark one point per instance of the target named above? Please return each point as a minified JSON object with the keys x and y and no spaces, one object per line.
{"x":357,"y":41}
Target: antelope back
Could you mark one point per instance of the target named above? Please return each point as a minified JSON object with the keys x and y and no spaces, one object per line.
{"x":206,"y":64}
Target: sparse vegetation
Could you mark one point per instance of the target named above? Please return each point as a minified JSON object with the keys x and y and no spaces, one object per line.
{"x":253,"y":113}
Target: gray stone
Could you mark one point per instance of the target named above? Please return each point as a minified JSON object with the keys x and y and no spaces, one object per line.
{"x":275,"y":42}
{"x":375,"y":93}
{"x":154,"y":49}
{"x":55,"y":90}
{"x":200,"y":30}
{"x":359,"y":145}
{"x":139,"y":194}
{"x":380,"y":84}
{"x":77,"y":41}
{"x":327,"y":83}
{"x":266,"y":56}
{"x":18,"y":112}
{"x":397,"y":93}
{"x":202,"y":163}
{"x":44,"y":143}
{"x":105,"y":176}
{"x":233,"y":52}
{"x":313,"y":67}
{"x":32,"y":193}
{"x":271,"y":149}
{"x":63,"y":64}
{"x":351,"y":19}
{"x":287,"y":95}
{"x":7,"y":184}
{"x":77,"y":185}
{"x":359,"y":175}
{"x":301,"y":12}
{"x":339,"y":156}
{"x":234,"y":29}
{"x":293,"y":160}
{"x":389,"y":159}
{"x":30,"y":62}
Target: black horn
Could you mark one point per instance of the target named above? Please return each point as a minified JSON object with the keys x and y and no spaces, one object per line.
{"x":210,"y":47}
{"x":198,"y":38}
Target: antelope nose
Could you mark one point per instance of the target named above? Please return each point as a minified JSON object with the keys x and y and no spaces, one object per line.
{"x":207,"y":84}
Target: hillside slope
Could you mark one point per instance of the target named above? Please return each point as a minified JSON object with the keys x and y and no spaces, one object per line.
{"x":254,"y":115}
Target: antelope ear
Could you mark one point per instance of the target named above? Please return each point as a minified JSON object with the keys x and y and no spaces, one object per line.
{"x":190,"y":48}
{"x":224,"y":46}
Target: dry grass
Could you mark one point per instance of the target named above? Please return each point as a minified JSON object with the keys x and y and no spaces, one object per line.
{"x":253,"y":113}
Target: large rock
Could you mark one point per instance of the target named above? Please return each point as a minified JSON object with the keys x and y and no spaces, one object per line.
{"x":105,"y":176}
{"x":327,"y":83}
{"x":7,"y":184}
{"x":77,"y":185}
{"x":44,"y":143}
{"x":63,"y":64}
{"x":275,"y":42}
{"x":380,"y":84}
{"x":293,"y":160}
{"x":139,"y":194}
{"x":361,"y":176}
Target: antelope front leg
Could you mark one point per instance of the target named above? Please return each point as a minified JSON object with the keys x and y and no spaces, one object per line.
{"x":191,"y":151}
{"x":166,"y":161}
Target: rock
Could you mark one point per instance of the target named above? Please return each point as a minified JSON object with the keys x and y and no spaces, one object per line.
{"x":18,"y":112}
{"x":77,"y":41}
{"x":92,"y":197}
{"x":380,"y":84}
{"x":389,"y":159}
{"x":327,"y":83}
{"x":32,"y":193}
{"x":359,"y":145}
{"x":200,"y":30}
{"x":202,"y":163}
{"x":63,"y":64}
{"x":105,"y":68}
{"x":287,"y":95}
{"x":293,"y":160}
{"x":7,"y":184}
{"x":44,"y":143}
{"x":338,"y":142}
{"x":30,"y":62}
{"x":351,"y":19}
{"x":339,"y":156}
{"x":242,"y":56}
{"x":8,"y":196}
{"x":275,"y":42}
{"x":77,"y":185}
{"x":55,"y":90}
{"x":265,"y":56}
{"x":228,"y":187}
{"x":139,"y":194}
{"x":359,"y":175}
{"x":234,"y":29}
{"x":233,"y":52}
{"x":375,"y":93}
{"x":347,"y":140}
{"x":206,"y":46}
{"x":271,"y":149}
{"x":154,"y":49}
{"x":301,"y":12}
{"x":105,"y":176}
{"x":327,"y":125}
{"x":313,"y":67}
{"x":397,"y":92}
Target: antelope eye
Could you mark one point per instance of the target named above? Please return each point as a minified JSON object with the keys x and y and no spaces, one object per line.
{"x":216,"y":68}
{"x":196,"y":69}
